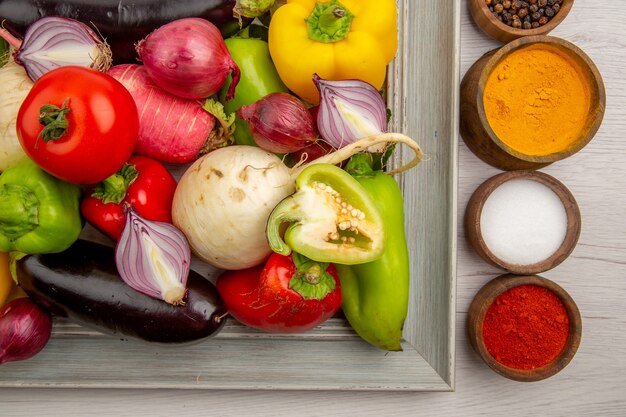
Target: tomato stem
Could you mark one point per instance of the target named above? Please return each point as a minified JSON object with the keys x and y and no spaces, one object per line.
{"x":54,"y":120}
{"x":113,"y":189}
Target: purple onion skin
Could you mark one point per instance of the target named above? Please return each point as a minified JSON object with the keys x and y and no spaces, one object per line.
{"x":83,"y":285}
{"x":279,"y":123}
{"x":188,"y":58}
{"x":24,"y":330}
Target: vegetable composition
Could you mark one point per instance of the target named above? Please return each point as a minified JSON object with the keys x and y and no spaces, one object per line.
{"x":213,"y":140}
{"x":249,"y":182}
{"x":122,"y":23}
{"x":82,"y":283}
{"x":171,"y":129}
{"x":188,"y":58}
{"x":53,"y":42}
{"x":38,"y":212}
{"x":24,"y":330}
{"x":143,"y":183}
{"x":330,"y":218}
{"x":376,"y":294}
{"x":288,"y":294}
{"x":351,"y":39}
{"x":78,"y":124}
{"x":13,"y":89}
{"x":258,"y":79}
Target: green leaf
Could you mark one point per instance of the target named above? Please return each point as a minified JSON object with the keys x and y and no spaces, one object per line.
{"x":222,"y":135}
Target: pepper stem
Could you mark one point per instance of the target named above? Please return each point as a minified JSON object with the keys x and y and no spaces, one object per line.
{"x":286,"y":211}
{"x":113,"y":189}
{"x":329,"y":22}
{"x":54,"y":120}
{"x":19,"y":211}
{"x":311,"y":280}
{"x":361,"y":165}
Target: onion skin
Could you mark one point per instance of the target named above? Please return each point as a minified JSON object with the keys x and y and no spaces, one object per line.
{"x":279,"y":123}
{"x":24,"y":330}
{"x":188,"y":58}
{"x":83,"y":285}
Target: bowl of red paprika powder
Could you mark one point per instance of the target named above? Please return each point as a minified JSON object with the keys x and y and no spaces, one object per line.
{"x":526,"y":328}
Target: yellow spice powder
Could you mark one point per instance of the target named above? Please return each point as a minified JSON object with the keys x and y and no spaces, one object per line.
{"x":536,"y":100}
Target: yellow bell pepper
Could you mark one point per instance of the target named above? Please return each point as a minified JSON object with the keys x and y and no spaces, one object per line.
{"x":351,"y":39}
{"x":6,"y":282}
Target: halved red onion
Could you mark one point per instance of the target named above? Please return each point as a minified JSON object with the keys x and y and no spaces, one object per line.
{"x":52,"y":42}
{"x":153,"y":258}
{"x":349,"y":110}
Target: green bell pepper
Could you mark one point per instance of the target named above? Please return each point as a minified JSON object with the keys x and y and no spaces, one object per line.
{"x":258,"y":79}
{"x":376,"y":294}
{"x":331,"y":218}
{"x":38,"y":212}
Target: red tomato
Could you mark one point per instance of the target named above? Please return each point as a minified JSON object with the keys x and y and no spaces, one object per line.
{"x":151,"y":194}
{"x":102,"y":124}
{"x":261,"y":297}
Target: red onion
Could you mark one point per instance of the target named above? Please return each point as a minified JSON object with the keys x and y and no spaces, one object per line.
{"x":311,"y":152}
{"x":349,"y":110}
{"x":52,"y":42}
{"x":279,"y":123}
{"x":24,"y":330}
{"x":188,"y":58}
{"x":153,"y":258}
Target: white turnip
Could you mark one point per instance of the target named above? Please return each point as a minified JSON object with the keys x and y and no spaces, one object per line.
{"x":14,"y":89}
{"x":224,"y":199}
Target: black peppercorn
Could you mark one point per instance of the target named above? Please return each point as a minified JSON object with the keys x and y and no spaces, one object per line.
{"x":526,"y":14}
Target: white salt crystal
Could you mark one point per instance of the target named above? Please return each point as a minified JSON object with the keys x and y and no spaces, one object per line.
{"x":523,"y":222}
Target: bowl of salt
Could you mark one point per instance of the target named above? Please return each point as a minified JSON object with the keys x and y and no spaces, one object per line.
{"x":524,"y":222}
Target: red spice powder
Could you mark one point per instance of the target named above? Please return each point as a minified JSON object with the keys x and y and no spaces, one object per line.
{"x":526,"y":327}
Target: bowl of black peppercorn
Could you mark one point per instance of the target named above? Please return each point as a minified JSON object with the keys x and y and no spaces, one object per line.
{"x":506,"y":20}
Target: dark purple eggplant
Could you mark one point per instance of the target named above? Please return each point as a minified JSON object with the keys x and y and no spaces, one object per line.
{"x":83,"y":285}
{"x":122,"y":23}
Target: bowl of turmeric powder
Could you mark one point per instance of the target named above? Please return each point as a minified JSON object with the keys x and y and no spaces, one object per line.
{"x":536,"y":100}
{"x":505,"y":20}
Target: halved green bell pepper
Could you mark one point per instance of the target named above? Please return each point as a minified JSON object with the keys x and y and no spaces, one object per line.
{"x":258,"y":79}
{"x":331,"y":218}
{"x":376,"y":294}
{"x":38,"y":212}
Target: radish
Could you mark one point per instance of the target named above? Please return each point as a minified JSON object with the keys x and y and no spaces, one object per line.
{"x":171,"y":129}
{"x":224,"y":199}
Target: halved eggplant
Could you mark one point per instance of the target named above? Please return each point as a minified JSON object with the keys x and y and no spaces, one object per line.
{"x":83,"y":285}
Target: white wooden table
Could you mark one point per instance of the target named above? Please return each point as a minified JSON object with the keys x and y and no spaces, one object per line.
{"x":593,"y":384}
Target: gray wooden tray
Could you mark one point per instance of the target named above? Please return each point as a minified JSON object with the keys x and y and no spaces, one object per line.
{"x":423,"y":95}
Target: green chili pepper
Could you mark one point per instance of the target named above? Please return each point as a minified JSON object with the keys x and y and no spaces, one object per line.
{"x":258,"y":79}
{"x":331,"y":219}
{"x":38,"y":212}
{"x":376,"y":294}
